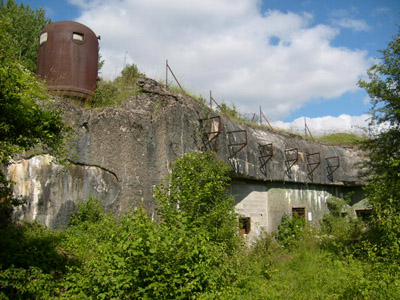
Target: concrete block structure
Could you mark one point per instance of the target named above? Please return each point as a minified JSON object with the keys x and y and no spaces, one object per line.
{"x":120,"y":153}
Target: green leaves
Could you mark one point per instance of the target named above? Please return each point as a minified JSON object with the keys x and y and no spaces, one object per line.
{"x":25,"y":27}
{"x":383,"y":148}
{"x":195,"y":197}
{"x":111,"y":93}
{"x":135,"y":257}
{"x":26,"y":117}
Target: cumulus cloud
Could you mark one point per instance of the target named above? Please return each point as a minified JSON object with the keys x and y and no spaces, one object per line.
{"x":277,"y":60}
{"x":327,"y":125}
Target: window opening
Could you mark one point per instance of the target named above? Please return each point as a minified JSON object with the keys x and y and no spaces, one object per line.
{"x":43,"y":38}
{"x":244,"y":225}
{"x":364,"y":214}
{"x":78,"y":37}
{"x":300,"y":212}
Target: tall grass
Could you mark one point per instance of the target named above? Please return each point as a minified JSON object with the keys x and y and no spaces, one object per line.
{"x":342,"y":139}
{"x":313,"y":268}
{"x":100,"y":257}
{"x":113,"y":92}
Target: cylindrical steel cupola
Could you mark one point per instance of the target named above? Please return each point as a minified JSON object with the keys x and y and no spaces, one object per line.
{"x":68,"y":59}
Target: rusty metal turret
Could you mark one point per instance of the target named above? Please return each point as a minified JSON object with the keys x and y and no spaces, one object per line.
{"x":68,"y":59}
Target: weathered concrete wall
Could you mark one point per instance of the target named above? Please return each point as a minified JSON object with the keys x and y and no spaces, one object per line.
{"x":118,"y":154}
{"x":267,"y":202}
{"x":52,"y":192}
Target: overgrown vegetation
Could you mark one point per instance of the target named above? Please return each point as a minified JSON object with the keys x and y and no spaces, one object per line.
{"x":186,"y":254}
{"x":342,"y":139}
{"x":234,"y":114}
{"x":26,"y":117}
{"x":192,"y":251}
{"x":112,"y":92}
{"x":23,"y":30}
{"x":198,"y":98}
{"x":382,"y":189}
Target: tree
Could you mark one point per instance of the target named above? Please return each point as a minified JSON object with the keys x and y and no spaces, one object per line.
{"x":25,"y":27}
{"x":195,"y":195}
{"x":26,"y":117}
{"x":383,"y":147}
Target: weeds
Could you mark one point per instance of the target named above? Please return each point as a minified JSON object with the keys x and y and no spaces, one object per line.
{"x":112,"y":93}
{"x":98,"y":256}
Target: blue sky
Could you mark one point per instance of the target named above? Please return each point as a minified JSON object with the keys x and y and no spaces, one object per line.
{"x":296,"y":59}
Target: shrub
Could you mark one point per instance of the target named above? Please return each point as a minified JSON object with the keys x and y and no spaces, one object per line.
{"x":31,"y":262}
{"x":195,"y":194}
{"x":111,"y":93}
{"x":290,"y":229}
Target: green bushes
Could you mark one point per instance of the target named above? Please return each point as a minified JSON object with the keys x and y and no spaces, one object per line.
{"x":187,"y":254}
{"x":30,"y":262}
{"x":111,"y":93}
{"x":195,"y":196}
{"x":192,"y":251}
{"x":136,"y":258}
{"x":290,"y":229}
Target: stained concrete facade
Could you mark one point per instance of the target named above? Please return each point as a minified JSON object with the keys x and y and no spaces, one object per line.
{"x":42,"y":183}
{"x":265,"y":203}
{"x":120,"y":153}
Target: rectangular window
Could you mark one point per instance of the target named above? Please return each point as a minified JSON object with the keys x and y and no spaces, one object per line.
{"x":299,"y":211}
{"x":245,"y":225}
{"x":76,"y":36}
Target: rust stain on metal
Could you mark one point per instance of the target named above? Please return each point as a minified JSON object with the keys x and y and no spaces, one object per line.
{"x":215,"y":130}
{"x":235,"y":148}
{"x":266,"y":154}
{"x":333,"y":163}
{"x":68,"y":59}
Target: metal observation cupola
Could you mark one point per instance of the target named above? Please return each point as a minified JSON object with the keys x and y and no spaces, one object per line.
{"x":68,"y":59}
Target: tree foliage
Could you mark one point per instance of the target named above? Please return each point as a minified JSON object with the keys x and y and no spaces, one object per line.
{"x":26,"y":117}
{"x":195,"y":192}
{"x":383,"y":148}
{"x":134,"y":257}
{"x":25,"y":27}
{"x":178,"y":257}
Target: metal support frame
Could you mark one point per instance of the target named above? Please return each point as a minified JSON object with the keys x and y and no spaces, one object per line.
{"x":313,"y":162}
{"x":265,"y":118}
{"x":333,"y":163}
{"x":167,"y":67}
{"x":266,"y":153}
{"x":291,"y":159}
{"x":219,"y":107}
{"x":210,"y":136}
{"x":232,"y":145}
{"x":307,"y":130}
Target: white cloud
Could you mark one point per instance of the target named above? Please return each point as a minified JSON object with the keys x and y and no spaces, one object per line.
{"x":355,"y":25}
{"x":277,"y":60}
{"x":327,"y":125}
